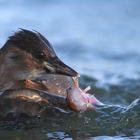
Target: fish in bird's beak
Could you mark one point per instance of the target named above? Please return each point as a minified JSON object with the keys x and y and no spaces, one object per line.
{"x":56,"y":66}
{"x":80,"y":100}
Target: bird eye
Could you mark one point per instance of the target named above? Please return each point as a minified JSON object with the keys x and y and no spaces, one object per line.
{"x":40,"y":56}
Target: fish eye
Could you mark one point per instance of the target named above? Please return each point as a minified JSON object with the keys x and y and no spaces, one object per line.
{"x":70,"y":88}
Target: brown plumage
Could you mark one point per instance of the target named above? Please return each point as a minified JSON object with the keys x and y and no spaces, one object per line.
{"x":26,"y":59}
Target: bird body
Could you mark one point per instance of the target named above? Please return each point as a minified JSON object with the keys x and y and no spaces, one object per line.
{"x":29,"y":66}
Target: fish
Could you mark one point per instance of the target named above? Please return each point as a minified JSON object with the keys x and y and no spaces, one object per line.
{"x":80,"y":100}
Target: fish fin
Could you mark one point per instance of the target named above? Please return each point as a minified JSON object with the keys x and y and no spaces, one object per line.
{"x":87,"y":89}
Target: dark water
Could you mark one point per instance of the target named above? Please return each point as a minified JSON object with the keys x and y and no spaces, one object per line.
{"x":98,"y":38}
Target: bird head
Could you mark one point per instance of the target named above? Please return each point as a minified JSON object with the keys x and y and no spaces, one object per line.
{"x":29,"y":55}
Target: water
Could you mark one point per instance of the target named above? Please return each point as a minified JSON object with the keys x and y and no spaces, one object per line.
{"x":99,"y":39}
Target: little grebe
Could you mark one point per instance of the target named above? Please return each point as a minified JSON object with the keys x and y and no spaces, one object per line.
{"x":26,"y":59}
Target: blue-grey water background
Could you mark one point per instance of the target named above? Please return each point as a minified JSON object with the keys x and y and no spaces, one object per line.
{"x":98,"y":38}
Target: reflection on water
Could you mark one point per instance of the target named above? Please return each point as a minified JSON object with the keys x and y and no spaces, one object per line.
{"x":107,"y":122}
{"x":97,"y":38}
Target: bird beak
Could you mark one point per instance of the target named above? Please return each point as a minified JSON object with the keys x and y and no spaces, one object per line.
{"x":58,"y":67}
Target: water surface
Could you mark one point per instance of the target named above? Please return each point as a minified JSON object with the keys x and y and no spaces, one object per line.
{"x":100,"y":39}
